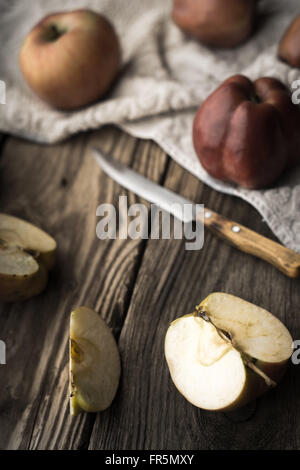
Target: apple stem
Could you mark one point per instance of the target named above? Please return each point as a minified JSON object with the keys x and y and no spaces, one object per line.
{"x":54,"y":32}
{"x":200,"y":313}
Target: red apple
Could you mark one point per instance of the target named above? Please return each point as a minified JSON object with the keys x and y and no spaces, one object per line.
{"x":248,"y":132}
{"x":71,"y":59}
{"x":221,"y":23}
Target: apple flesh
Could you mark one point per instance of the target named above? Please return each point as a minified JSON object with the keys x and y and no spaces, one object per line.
{"x":227,"y":353}
{"x":27,"y":253}
{"x":95,"y":364}
{"x":289,"y":47}
{"x":71,"y":59}
{"x":216,"y":22}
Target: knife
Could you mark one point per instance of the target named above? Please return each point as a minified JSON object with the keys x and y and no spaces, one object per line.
{"x":284,"y":259}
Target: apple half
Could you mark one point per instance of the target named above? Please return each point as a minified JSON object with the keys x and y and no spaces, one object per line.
{"x":27,"y":253}
{"x":95,"y":364}
{"x":227,"y":352}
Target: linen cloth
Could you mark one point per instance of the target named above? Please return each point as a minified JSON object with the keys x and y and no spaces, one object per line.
{"x":165,"y":77}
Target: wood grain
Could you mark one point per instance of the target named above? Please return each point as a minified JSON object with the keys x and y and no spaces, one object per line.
{"x":149,"y":412}
{"x":64,"y":188}
{"x":138,"y":286}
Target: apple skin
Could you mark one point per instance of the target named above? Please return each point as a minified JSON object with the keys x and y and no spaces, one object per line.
{"x":32,"y":249}
{"x":257,"y":337}
{"x":71,"y":59}
{"x":255,"y":386}
{"x":19,"y":288}
{"x":248,"y":132}
{"x":94,"y":364}
{"x":289,"y":46}
{"x":216,"y":22}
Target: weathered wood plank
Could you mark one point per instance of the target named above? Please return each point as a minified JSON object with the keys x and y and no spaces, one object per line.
{"x":149,"y":413}
{"x":59,"y":188}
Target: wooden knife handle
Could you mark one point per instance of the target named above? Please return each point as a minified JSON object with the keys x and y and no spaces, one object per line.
{"x":247,"y":240}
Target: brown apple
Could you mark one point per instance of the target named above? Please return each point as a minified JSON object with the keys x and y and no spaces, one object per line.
{"x":216,"y":22}
{"x":248,"y":132}
{"x":71,"y":59}
{"x":289,"y":47}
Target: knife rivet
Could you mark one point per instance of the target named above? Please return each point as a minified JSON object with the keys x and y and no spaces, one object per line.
{"x":207,"y":215}
{"x":235,"y":229}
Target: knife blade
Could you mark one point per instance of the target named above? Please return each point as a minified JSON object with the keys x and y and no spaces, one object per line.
{"x":145,"y":188}
{"x":246,"y":240}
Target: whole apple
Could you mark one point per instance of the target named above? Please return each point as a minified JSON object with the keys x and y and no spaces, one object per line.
{"x":71,"y":59}
{"x":289,"y":47}
{"x":216,"y":22}
{"x":248,"y":132}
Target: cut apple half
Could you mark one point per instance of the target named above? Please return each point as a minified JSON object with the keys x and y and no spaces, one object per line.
{"x":94,"y":362}
{"x":26,"y":255}
{"x":227,"y":352}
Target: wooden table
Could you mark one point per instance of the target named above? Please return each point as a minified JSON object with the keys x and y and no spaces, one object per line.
{"x":138,"y":286}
